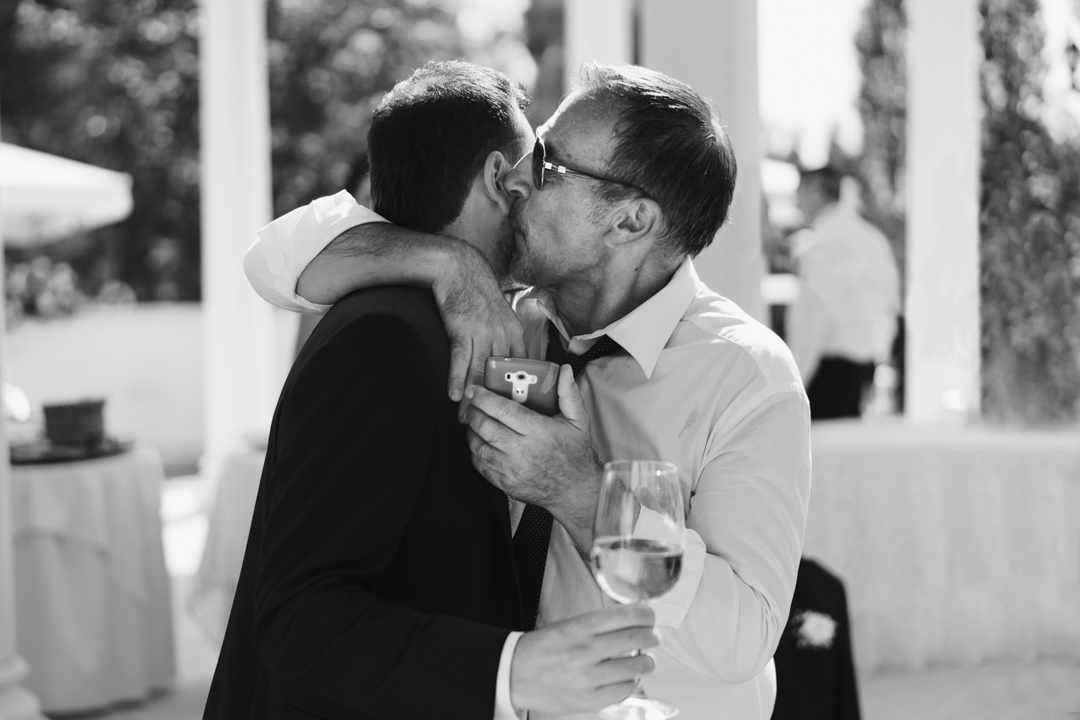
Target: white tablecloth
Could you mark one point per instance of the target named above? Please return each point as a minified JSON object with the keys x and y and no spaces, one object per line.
{"x":230,"y":521}
{"x":958,"y":545}
{"x":92,"y":603}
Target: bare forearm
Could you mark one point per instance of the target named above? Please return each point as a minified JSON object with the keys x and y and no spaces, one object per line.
{"x":378,"y":254}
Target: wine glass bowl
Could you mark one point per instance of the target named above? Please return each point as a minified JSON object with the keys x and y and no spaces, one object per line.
{"x":639,"y":536}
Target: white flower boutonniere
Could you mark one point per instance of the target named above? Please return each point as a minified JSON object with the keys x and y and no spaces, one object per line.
{"x":813,"y":630}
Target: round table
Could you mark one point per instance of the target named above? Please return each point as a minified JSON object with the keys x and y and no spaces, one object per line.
{"x":93,"y":609}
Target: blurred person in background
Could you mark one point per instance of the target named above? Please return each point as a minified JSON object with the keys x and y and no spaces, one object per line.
{"x":843,"y":323}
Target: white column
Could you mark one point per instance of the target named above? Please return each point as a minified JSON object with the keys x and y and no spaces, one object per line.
{"x":16,"y":702}
{"x":712,"y":46}
{"x":942,"y":308}
{"x":596,"y":30}
{"x":244,"y":360}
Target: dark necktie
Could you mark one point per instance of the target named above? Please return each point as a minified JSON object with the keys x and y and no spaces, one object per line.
{"x":534,"y":528}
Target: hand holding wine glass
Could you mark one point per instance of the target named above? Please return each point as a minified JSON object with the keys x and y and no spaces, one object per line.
{"x":637,"y":550}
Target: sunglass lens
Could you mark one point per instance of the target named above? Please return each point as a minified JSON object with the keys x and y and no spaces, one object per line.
{"x":538,"y":164}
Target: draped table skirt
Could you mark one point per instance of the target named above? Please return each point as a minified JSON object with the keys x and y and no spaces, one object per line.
{"x":92,"y":602}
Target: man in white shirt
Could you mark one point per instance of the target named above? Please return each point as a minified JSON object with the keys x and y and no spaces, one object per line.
{"x":633,"y":178}
{"x":843,"y":323}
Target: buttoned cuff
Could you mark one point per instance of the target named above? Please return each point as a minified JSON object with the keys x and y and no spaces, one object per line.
{"x":286,"y":246}
{"x":504,"y":706}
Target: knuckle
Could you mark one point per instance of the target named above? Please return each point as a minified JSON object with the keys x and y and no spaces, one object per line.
{"x":482,"y":452}
{"x":647,"y":637}
{"x":472,"y":440}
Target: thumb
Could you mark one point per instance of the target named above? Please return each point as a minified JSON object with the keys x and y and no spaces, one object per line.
{"x":571,"y":405}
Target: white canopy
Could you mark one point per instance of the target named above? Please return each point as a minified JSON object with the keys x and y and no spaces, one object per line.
{"x":44,"y":197}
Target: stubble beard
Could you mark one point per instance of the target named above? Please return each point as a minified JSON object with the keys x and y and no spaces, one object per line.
{"x":519,"y":267}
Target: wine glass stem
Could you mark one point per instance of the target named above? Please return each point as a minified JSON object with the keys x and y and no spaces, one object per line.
{"x":639,"y":691}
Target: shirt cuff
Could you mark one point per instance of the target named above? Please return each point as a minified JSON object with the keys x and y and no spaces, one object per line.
{"x":504,"y":707}
{"x":286,"y":246}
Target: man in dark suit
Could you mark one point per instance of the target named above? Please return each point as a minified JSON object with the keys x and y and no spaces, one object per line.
{"x":379,"y":579}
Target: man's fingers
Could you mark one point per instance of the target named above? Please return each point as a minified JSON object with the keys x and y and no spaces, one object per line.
{"x":509,"y":413}
{"x":476,"y":367}
{"x":621,"y":669}
{"x":460,"y":355}
{"x":613,"y":693}
{"x":615,"y":618}
{"x":619,"y":642}
{"x":490,"y":429}
{"x":570,"y":403}
{"x":486,"y":458}
{"x":517,"y":344}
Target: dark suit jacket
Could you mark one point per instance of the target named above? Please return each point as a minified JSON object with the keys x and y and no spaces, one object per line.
{"x":816,"y":682}
{"x":378,"y":579}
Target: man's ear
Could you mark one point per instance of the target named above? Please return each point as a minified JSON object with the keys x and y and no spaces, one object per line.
{"x":496,"y":169}
{"x":635,"y":220}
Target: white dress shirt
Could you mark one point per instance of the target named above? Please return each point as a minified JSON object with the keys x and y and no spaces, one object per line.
{"x":849,"y":291}
{"x":706,"y":387}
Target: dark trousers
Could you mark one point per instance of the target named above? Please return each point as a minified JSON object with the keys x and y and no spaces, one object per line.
{"x":838,"y":387}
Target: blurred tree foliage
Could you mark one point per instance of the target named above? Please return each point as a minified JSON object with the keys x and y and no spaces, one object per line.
{"x":115,"y":84}
{"x":330,"y":63}
{"x":882,"y":106}
{"x":1030,"y":229}
{"x":1029,"y":206}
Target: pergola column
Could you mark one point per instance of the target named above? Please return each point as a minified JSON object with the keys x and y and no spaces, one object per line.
{"x":601,"y":30}
{"x":246,"y":357}
{"x":942,"y":306}
{"x":712,"y":46}
{"x":16,"y":702}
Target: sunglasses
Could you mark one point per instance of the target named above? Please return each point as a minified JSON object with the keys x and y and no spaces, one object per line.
{"x":540,"y":164}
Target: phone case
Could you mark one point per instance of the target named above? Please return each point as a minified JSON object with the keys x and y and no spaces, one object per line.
{"x":533,"y":383}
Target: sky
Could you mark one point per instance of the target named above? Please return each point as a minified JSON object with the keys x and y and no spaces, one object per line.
{"x":809,"y":73}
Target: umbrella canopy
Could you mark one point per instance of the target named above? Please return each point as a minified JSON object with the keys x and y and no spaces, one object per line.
{"x":44,"y":197}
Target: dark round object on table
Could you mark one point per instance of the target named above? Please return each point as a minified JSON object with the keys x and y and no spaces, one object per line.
{"x":77,"y":423}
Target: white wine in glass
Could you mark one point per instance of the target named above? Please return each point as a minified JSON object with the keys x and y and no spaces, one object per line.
{"x":638,"y":542}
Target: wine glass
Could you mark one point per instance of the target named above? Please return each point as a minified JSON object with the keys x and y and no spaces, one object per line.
{"x":637,"y":551}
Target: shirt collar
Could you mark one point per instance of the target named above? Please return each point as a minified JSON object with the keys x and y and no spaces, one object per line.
{"x":645,"y":330}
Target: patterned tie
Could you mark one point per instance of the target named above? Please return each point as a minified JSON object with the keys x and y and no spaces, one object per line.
{"x":534,"y":528}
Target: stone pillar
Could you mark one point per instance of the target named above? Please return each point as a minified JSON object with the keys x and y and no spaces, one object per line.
{"x":942,"y":306}
{"x":16,"y":702}
{"x":600,"y":30}
{"x":712,"y":46}
{"x":246,"y":351}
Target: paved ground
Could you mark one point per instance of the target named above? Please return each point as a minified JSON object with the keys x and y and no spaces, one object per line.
{"x":1043,"y":690}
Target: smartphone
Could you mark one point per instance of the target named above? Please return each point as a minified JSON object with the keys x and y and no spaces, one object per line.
{"x":533,"y":383}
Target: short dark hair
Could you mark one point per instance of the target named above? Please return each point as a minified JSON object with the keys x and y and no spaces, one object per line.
{"x":827,"y":178}
{"x":432,"y":133}
{"x":670,"y":143}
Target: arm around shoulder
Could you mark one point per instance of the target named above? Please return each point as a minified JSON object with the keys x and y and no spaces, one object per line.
{"x":284,"y":247}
